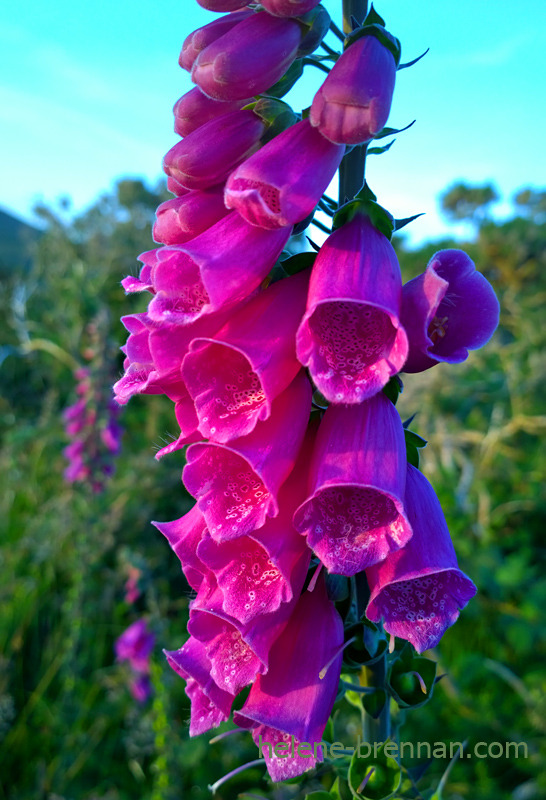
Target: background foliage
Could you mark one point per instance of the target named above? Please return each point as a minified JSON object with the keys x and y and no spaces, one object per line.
{"x":68,"y":726}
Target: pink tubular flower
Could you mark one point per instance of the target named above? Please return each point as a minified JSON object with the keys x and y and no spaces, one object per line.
{"x":184,"y":535}
{"x":234,"y":377}
{"x":203,"y":37}
{"x":183,"y":218}
{"x":355,"y":515}
{"x":282,"y":183}
{"x":140,"y":687}
{"x":135,"y":646}
{"x":354,"y":102}
{"x":249,"y":58}
{"x":259,"y":572}
{"x":210,"y":705}
{"x":447,"y":310}
{"x":419,"y":590}
{"x":207,"y":156}
{"x":214,"y":271}
{"x":289,"y":8}
{"x":350,"y":337}
{"x":194,"y":109}
{"x":296,"y":695}
{"x":236,"y":485}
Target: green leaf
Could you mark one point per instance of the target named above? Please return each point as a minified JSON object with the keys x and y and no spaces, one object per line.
{"x":340,"y":790}
{"x":374,"y":703}
{"x":393,"y":389}
{"x":299,"y":262}
{"x":319,"y":796}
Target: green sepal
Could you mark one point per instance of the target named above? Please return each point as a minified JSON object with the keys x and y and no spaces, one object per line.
{"x":354,"y":698}
{"x":414,"y":443}
{"x":384,"y":779}
{"x":415,"y":60}
{"x":387,"y":39}
{"x":376,"y":151}
{"x":391,"y":131}
{"x":337,"y":587}
{"x":299,"y":262}
{"x":277,"y":115}
{"x":317,"y":22}
{"x":393,"y":389}
{"x":340,"y":790}
{"x":290,"y":77}
{"x":319,"y":796}
{"x":369,"y":647}
{"x":373,"y":18}
{"x":401,"y":223}
{"x":364,"y":203}
{"x":404,"y":686}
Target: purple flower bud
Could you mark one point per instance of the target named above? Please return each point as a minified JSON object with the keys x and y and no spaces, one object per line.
{"x":201,"y":38}
{"x":355,"y":515}
{"x":195,"y":109}
{"x":296,"y":695}
{"x":289,"y":8}
{"x":354,"y":102}
{"x":210,"y":705}
{"x":135,"y":645}
{"x":447,"y":310}
{"x":350,"y":337}
{"x":207,"y":156}
{"x":223,"y":5}
{"x":176,"y":188}
{"x":249,"y":58}
{"x":419,"y":589}
{"x":183,"y":218}
{"x":236,"y":485}
{"x":282,"y":183}
{"x":234,"y":377}
{"x":216,"y":270}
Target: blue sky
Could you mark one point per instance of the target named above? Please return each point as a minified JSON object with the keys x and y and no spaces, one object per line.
{"x":87,"y":91}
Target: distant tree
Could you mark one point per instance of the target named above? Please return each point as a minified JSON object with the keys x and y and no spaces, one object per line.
{"x":463,"y":202}
{"x":531,"y":203}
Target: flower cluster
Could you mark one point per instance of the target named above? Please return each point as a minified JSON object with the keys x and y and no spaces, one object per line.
{"x":92,"y":425}
{"x":232,"y":336}
{"x":135,"y":646}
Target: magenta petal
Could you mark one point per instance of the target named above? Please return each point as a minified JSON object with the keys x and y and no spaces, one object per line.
{"x":282,"y":183}
{"x":419,"y":589}
{"x":289,"y":8}
{"x":354,"y":102}
{"x":249,"y":58}
{"x":184,"y":535}
{"x":351,"y":337}
{"x":135,"y":645}
{"x":296,"y":696}
{"x":236,"y":486}
{"x":205,"y":157}
{"x":182,"y":218}
{"x":210,"y":705}
{"x":201,"y":277}
{"x":355,"y":515}
{"x":447,"y":311}
{"x":194,"y":109}
{"x":203,"y":37}
{"x":295,"y":759}
{"x":234,"y":378}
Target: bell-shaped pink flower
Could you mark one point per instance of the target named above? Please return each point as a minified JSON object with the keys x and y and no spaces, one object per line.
{"x":214,"y":271}
{"x":236,"y":485}
{"x":249,"y":58}
{"x":354,"y":102}
{"x":184,"y":535}
{"x":203,"y":37}
{"x":282,"y":183}
{"x":234,"y":377}
{"x":183,"y":218}
{"x":447,"y":310}
{"x":194,"y":109}
{"x":351,"y":337}
{"x":135,"y":645}
{"x":289,"y":8}
{"x":207,"y":156}
{"x":210,"y":705}
{"x":355,"y":515}
{"x":259,"y":572}
{"x":296,"y":695}
{"x":419,"y":589}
